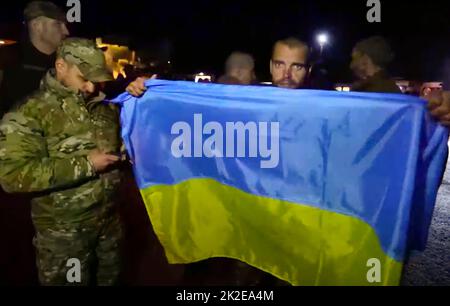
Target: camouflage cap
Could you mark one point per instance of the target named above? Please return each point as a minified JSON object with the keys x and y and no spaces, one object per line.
{"x":87,"y":57}
{"x":48,"y":9}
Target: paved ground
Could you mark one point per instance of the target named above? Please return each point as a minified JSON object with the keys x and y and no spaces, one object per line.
{"x":432,"y":267}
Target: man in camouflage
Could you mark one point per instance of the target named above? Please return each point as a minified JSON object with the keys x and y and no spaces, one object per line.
{"x":62,"y":145}
{"x":370,"y":58}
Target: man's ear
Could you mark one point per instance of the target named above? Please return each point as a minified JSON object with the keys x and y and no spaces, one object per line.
{"x":270,"y":63}
{"x":60,"y":66}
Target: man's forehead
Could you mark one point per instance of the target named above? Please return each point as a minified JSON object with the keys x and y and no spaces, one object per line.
{"x":48,"y":20}
{"x":286,"y":54}
{"x":357,"y":54}
{"x":240,"y":68}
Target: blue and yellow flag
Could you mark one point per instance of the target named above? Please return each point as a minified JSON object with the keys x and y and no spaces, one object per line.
{"x":314,"y":187}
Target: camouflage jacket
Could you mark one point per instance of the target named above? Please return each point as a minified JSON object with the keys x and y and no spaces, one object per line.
{"x":43,"y":150}
{"x":379,"y":82}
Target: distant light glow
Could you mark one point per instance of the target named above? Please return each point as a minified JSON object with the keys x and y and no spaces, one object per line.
{"x":202,"y":77}
{"x":322,"y":39}
{"x":342,"y":88}
{"x":117,"y":57}
{"x":7,"y":42}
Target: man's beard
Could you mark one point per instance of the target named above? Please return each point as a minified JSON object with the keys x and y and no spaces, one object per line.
{"x":286,"y":83}
{"x":89,"y":95}
{"x":86,"y":95}
{"x":359,"y":74}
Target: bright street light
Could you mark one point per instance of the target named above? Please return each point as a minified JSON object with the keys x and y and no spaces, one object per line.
{"x":322,"y":39}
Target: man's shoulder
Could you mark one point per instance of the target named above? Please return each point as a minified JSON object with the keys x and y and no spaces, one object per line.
{"x":387,"y":85}
{"x":37,"y":103}
{"x":22,"y":118}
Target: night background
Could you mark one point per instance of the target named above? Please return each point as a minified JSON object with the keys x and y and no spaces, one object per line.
{"x":198,"y":35}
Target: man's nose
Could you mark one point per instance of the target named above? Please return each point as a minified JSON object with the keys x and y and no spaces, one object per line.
{"x":287,"y":72}
{"x":65,"y":30}
{"x":89,"y":87}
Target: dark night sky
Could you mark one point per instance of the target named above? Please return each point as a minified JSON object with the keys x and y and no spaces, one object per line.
{"x":200,"y":34}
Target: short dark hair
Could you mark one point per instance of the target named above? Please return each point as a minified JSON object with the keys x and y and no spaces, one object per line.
{"x":292,"y":43}
{"x":239,"y":59}
{"x":377,"y":49}
{"x":47,"y":9}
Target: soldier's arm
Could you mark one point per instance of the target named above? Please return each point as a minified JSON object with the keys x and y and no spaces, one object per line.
{"x":25,"y":165}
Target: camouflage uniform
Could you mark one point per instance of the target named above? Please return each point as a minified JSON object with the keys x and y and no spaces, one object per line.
{"x":43,"y":150}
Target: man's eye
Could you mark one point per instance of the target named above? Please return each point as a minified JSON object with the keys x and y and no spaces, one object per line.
{"x":299,"y":67}
{"x":277,"y":65}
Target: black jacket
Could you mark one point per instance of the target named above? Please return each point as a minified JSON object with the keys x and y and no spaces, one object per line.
{"x":23,"y":77}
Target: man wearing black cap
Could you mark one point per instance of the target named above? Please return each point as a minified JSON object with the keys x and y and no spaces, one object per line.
{"x":46,"y":29}
{"x":370,"y":58}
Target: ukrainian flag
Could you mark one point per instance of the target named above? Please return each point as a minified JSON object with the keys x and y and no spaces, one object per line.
{"x":349,"y":195}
